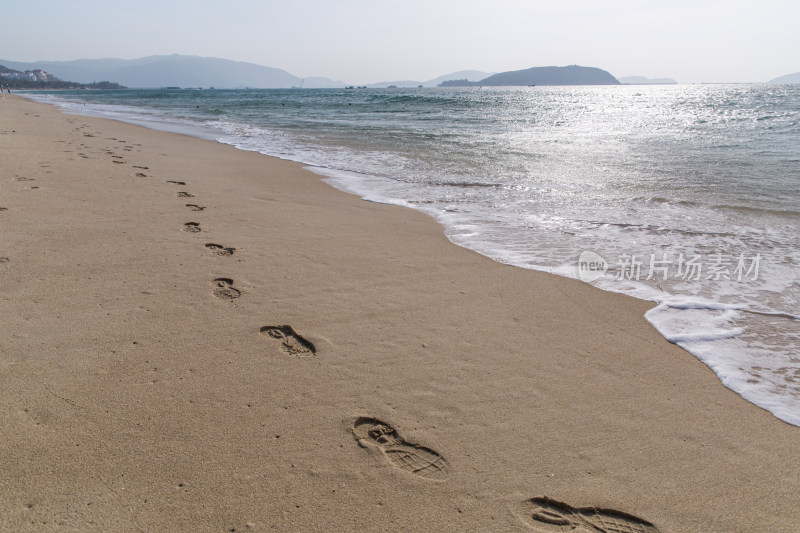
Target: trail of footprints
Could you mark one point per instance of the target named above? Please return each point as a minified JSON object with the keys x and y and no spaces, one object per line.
{"x":222,"y":287}
{"x":412,"y":458}
{"x":224,"y":290}
{"x":218,"y":249}
{"x":291,"y":342}
{"x":24,"y":180}
{"x":540,"y":513}
{"x":4,"y":259}
{"x":547,"y":514}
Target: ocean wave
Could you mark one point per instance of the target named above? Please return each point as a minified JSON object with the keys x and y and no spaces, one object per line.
{"x":784,"y":213}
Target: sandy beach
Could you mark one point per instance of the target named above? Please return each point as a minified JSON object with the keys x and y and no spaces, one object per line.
{"x":198,"y":338}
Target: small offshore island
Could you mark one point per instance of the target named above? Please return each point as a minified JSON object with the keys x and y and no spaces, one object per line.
{"x":570,"y":75}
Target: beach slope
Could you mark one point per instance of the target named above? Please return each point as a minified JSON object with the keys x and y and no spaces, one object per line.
{"x":197,"y":338}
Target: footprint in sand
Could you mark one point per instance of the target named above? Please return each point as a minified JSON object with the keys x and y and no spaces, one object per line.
{"x":192,"y":227}
{"x":176,"y":182}
{"x":404,"y":455}
{"x":194,"y":207}
{"x":3,"y":209}
{"x":291,"y":342}
{"x":218,"y":249}
{"x":4,"y":259}
{"x":223,"y":289}
{"x":545,"y":514}
{"x":184,"y":194}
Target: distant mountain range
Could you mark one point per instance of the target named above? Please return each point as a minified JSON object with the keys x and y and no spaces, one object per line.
{"x":570,"y":75}
{"x":789,"y":78}
{"x":174,"y":70}
{"x":641,"y":80}
{"x":193,"y":71}
{"x":471,"y":75}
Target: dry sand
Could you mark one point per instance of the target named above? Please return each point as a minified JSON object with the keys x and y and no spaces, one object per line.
{"x":345,"y":369}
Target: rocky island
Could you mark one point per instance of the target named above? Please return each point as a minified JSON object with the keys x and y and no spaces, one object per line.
{"x":570,"y":75}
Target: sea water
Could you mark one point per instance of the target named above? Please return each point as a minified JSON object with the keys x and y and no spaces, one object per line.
{"x":688,"y":196}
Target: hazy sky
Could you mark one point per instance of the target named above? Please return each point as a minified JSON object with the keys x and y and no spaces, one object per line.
{"x":362,"y":41}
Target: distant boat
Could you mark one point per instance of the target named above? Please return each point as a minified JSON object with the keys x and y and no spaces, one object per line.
{"x":350,"y":87}
{"x":362,"y":86}
{"x":392,"y":87}
{"x":301,"y":84}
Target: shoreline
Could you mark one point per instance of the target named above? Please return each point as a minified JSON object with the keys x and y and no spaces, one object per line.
{"x":167,"y":388}
{"x":727,"y":344}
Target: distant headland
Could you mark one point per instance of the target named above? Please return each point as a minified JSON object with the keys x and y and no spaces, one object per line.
{"x":39,"y":79}
{"x":789,"y":78}
{"x":570,"y":75}
{"x":641,"y":80}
